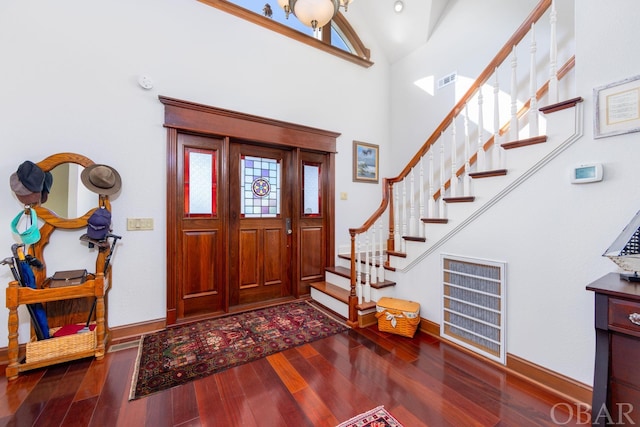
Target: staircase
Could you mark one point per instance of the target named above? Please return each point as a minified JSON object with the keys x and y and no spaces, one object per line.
{"x":435,"y":196}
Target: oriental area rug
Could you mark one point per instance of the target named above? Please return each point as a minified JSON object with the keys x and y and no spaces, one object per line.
{"x":377,"y":417}
{"x":184,"y":353}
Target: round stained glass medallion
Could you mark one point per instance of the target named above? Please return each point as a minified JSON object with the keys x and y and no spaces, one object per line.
{"x":261,"y":187}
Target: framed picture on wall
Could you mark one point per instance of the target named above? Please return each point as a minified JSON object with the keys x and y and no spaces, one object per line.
{"x":617,"y":108}
{"x":365,"y":162}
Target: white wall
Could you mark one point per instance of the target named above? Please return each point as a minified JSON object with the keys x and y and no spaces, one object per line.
{"x":551,"y":233}
{"x":68,"y":82}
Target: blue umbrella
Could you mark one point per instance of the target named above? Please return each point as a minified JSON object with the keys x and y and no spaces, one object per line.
{"x":27,"y":278}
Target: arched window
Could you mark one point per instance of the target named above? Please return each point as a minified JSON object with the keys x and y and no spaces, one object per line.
{"x":341,"y":40}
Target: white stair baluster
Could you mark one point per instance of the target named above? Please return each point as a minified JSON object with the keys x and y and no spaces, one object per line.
{"x":412,"y":207}
{"x":480,"y":162}
{"x":533,"y":102}
{"x":431,"y":204}
{"x":467,"y":149}
{"x":513,"y":124}
{"x":374,"y":242}
{"x":381,"y":259}
{"x":396,"y":235}
{"x":404,"y":216}
{"x":553,"y":57}
{"x":366,"y":289}
{"x":421,"y":191}
{"x":497,"y":149}
{"x":453,"y":188}
{"x":442,"y":186}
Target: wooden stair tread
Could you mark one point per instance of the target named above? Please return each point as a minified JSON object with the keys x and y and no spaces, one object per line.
{"x":363,"y":259}
{"x":332,"y":290}
{"x":488,"y":174}
{"x":345,"y":272}
{"x":524,"y":142}
{"x":366,"y":305}
{"x":434,"y":220}
{"x":560,"y":105}
{"x":461,"y":199}
{"x":415,"y":238}
{"x":398,"y":254}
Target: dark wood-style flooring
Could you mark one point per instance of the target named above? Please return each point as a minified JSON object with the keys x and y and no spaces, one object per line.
{"x":421,"y":381}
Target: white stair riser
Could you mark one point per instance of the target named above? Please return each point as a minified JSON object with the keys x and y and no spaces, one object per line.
{"x":331,"y":303}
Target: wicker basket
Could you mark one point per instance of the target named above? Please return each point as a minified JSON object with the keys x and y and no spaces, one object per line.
{"x":398,"y":316}
{"x":60,"y":346}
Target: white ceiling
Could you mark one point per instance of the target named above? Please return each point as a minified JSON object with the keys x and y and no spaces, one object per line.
{"x":398,"y":34}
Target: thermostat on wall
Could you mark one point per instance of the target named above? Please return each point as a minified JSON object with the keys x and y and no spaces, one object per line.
{"x":591,"y":172}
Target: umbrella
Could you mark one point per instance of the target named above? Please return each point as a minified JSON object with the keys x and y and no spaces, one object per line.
{"x":27,"y":279}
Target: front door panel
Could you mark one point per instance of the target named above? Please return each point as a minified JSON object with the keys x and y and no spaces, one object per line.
{"x":200,"y":230}
{"x":260,"y":212}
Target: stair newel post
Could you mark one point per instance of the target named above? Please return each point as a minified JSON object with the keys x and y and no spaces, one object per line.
{"x":381,"y":266}
{"x":404,"y":214}
{"x":431,"y":208}
{"x":467,"y":149}
{"x":442,"y":182}
{"x":353,"y":299}
{"x":421,"y":195}
{"x":496,"y":161}
{"x":412,"y":204}
{"x":366,"y":289}
{"x":454,"y":160}
{"x":358,"y":268}
{"x":480,"y":163}
{"x":533,"y":102}
{"x":373,"y":277}
{"x":553,"y":57}
{"x":513,"y":124}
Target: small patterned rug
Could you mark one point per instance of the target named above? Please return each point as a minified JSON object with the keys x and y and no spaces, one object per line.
{"x":184,"y":353}
{"x":377,"y":417}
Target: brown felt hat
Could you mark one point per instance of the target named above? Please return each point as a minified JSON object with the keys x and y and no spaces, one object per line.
{"x":101,"y":179}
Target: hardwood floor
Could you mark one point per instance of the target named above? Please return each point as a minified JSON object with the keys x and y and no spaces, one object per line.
{"x":421,"y":381}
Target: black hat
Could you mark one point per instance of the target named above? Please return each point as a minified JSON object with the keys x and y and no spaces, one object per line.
{"x":31,"y":176}
{"x":46,"y":188}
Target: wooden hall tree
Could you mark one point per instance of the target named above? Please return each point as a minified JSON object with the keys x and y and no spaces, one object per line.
{"x":250,"y":206}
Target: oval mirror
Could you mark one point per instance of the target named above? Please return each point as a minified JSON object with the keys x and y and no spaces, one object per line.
{"x":69,"y":198}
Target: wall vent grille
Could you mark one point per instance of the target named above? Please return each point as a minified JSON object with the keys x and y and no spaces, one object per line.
{"x":473,"y":305}
{"x":447,"y":80}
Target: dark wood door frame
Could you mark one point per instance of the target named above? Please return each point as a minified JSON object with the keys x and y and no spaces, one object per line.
{"x":188,"y":117}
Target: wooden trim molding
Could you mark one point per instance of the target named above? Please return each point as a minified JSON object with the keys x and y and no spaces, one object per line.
{"x":362,"y":57}
{"x":200,"y":118}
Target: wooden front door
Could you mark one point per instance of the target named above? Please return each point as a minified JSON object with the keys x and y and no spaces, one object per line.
{"x":221,"y":255}
{"x":260,"y":223}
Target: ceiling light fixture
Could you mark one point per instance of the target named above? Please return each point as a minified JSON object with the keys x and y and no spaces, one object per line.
{"x":398,"y":6}
{"x":314,"y":13}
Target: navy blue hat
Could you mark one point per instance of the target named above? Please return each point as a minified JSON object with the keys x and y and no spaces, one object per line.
{"x":99,"y":224}
{"x":31,"y":176}
{"x":46,"y":188}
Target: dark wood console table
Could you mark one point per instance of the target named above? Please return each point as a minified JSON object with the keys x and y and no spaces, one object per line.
{"x":616,"y":385}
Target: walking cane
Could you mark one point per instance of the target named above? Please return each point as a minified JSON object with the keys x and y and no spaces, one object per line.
{"x":106,"y":267}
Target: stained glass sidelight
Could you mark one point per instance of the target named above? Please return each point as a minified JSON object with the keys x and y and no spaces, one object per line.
{"x":260,"y":191}
{"x":200,"y":182}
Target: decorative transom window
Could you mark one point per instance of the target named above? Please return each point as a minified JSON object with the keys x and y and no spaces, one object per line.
{"x":341,"y":40}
